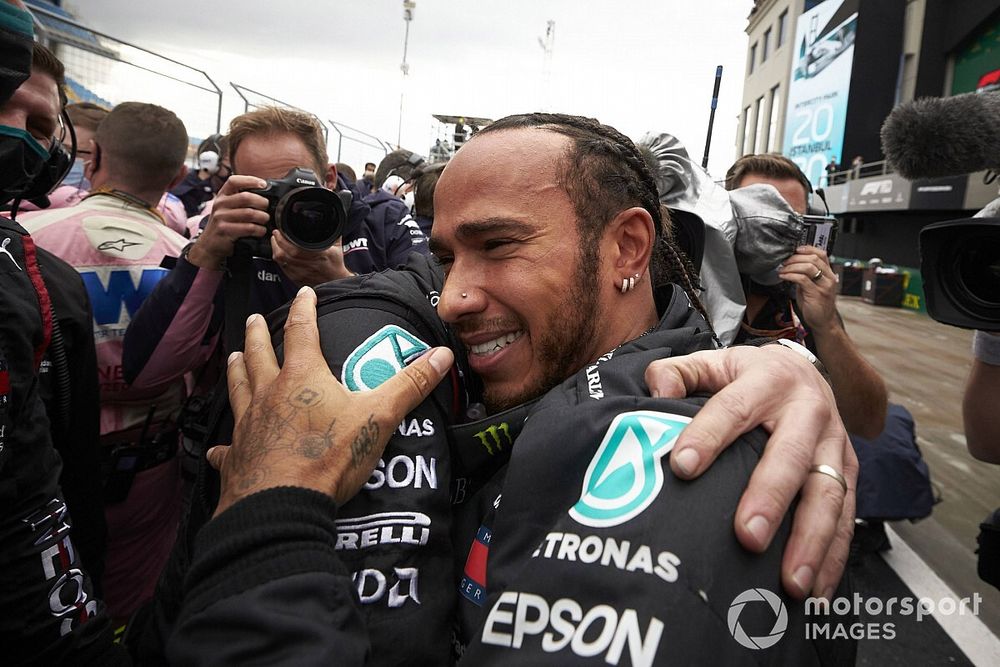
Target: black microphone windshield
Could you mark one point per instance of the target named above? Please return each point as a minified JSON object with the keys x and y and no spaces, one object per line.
{"x":944,"y":136}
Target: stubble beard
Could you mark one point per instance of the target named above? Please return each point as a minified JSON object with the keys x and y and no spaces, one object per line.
{"x":562,"y":346}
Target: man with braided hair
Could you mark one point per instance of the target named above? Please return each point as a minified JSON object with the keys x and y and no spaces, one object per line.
{"x":574,"y":538}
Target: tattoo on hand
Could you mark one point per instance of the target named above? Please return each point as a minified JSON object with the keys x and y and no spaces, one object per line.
{"x":306,"y":398}
{"x":364,"y":442}
{"x":314,"y":445}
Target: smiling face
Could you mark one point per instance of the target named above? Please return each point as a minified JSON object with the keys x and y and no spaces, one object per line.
{"x":522,"y":294}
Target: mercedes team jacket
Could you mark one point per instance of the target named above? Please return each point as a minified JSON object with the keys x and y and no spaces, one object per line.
{"x":573,"y":542}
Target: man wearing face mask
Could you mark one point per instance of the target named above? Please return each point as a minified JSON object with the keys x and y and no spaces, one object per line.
{"x":200,"y":185}
{"x":85,"y":116}
{"x":810,"y":317}
{"x":48,"y":612}
{"x":393,"y":198}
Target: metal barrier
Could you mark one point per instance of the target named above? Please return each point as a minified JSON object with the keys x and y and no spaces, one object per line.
{"x":106,"y":70}
{"x":879,"y":168}
{"x":360,"y":155}
{"x":253,"y":99}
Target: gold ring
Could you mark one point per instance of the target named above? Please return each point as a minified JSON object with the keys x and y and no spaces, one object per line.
{"x":830,"y":471}
{"x":819,"y":274}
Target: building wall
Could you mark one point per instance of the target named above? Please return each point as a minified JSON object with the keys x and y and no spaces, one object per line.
{"x":767,"y":74}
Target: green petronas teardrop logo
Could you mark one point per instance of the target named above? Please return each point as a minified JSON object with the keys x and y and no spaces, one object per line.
{"x":382,"y":355}
{"x":625,"y":475}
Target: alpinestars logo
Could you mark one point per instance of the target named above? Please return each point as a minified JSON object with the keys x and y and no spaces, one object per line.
{"x":625,"y":475}
{"x":382,"y":355}
{"x":780,"y":618}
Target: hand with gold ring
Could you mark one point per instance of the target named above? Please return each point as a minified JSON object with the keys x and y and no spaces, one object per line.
{"x":830,"y":471}
{"x":809,"y":269}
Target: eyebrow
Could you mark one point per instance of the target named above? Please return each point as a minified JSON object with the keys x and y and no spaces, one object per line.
{"x":470,"y":230}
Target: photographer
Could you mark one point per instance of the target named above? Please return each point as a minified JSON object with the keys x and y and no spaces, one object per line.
{"x":176,"y":330}
{"x":811,"y":317}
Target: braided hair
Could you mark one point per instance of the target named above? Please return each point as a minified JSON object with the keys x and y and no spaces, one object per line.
{"x":604,"y":173}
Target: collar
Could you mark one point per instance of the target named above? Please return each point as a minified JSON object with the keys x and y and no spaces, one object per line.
{"x":128,"y":201}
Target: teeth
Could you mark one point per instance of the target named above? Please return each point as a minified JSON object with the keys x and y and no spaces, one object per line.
{"x":497,"y":344}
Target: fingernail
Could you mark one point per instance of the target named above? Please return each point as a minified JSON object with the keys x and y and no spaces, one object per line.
{"x":304,"y":290}
{"x":655,"y":393}
{"x":828,"y":594}
{"x":252,"y":318}
{"x":440,"y":359}
{"x":803,"y":578}
{"x":759,"y":527}
{"x":687,"y":461}
{"x":233,"y":357}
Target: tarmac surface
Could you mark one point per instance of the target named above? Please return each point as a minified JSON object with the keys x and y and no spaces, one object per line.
{"x":925,"y":365}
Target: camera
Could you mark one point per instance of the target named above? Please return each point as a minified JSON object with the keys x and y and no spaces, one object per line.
{"x":960,"y":264}
{"x":819,"y":231}
{"x":307,"y":214}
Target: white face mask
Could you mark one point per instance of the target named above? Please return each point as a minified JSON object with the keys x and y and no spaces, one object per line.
{"x":409,"y":199}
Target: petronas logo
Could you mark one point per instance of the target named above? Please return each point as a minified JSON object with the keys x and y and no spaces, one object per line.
{"x":382,"y":355}
{"x":626,"y":475}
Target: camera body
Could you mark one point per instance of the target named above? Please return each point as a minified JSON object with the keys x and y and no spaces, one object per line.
{"x":960,"y":264}
{"x":307,"y":214}
{"x":819,"y":231}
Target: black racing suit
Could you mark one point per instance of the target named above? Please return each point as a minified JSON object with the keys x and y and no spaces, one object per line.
{"x":48,"y":612}
{"x":393,"y":551}
{"x":594,"y":551}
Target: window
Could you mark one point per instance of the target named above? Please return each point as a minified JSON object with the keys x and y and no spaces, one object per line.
{"x":782,"y":29}
{"x":772,"y":130}
{"x":759,"y":125}
{"x":753,"y":58}
{"x":747,"y":132}
{"x":766,"y":45}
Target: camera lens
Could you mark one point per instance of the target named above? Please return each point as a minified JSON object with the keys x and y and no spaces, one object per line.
{"x":311,"y":218}
{"x":977,"y":264}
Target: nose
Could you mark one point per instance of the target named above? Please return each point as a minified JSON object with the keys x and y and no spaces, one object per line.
{"x":460,"y":296}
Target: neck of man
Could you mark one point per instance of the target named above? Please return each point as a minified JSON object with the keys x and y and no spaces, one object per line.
{"x":150,"y":198}
{"x":635,"y":317}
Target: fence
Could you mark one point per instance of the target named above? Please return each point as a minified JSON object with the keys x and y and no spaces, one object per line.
{"x":360,"y":147}
{"x":107,"y":70}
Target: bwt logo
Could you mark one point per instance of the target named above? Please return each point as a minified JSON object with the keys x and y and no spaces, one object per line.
{"x":877,"y":188}
{"x":495,"y":437}
{"x":755,"y":596}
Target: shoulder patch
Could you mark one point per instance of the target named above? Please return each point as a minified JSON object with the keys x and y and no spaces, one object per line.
{"x":382,"y":355}
{"x":625,"y":475}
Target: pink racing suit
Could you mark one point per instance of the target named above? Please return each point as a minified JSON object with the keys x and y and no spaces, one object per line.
{"x":117,"y":247}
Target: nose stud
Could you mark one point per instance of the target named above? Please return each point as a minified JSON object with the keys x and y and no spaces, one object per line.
{"x":464,"y":295}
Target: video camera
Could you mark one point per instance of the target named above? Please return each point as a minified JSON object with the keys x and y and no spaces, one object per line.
{"x":307,"y":214}
{"x":960,"y":264}
{"x":959,"y":259}
{"x":819,"y":231}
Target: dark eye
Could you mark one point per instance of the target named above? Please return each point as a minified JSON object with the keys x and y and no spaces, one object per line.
{"x":444,"y":261}
{"x":493,"y":244}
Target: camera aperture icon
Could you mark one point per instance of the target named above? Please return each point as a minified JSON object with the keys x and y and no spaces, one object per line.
{"x":757,"y":596}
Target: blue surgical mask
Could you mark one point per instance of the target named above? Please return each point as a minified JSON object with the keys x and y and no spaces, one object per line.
{"x":75,"y":176}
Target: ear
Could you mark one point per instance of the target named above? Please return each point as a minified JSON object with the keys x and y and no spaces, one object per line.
{"x":629,"y":242}
{"x":93,"y":165}
{"x":331,"y":176}
{"x":181,"y":173}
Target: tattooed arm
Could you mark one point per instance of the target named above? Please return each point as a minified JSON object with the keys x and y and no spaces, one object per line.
{"x":265,"y":582}
{"x":298,"y":426}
